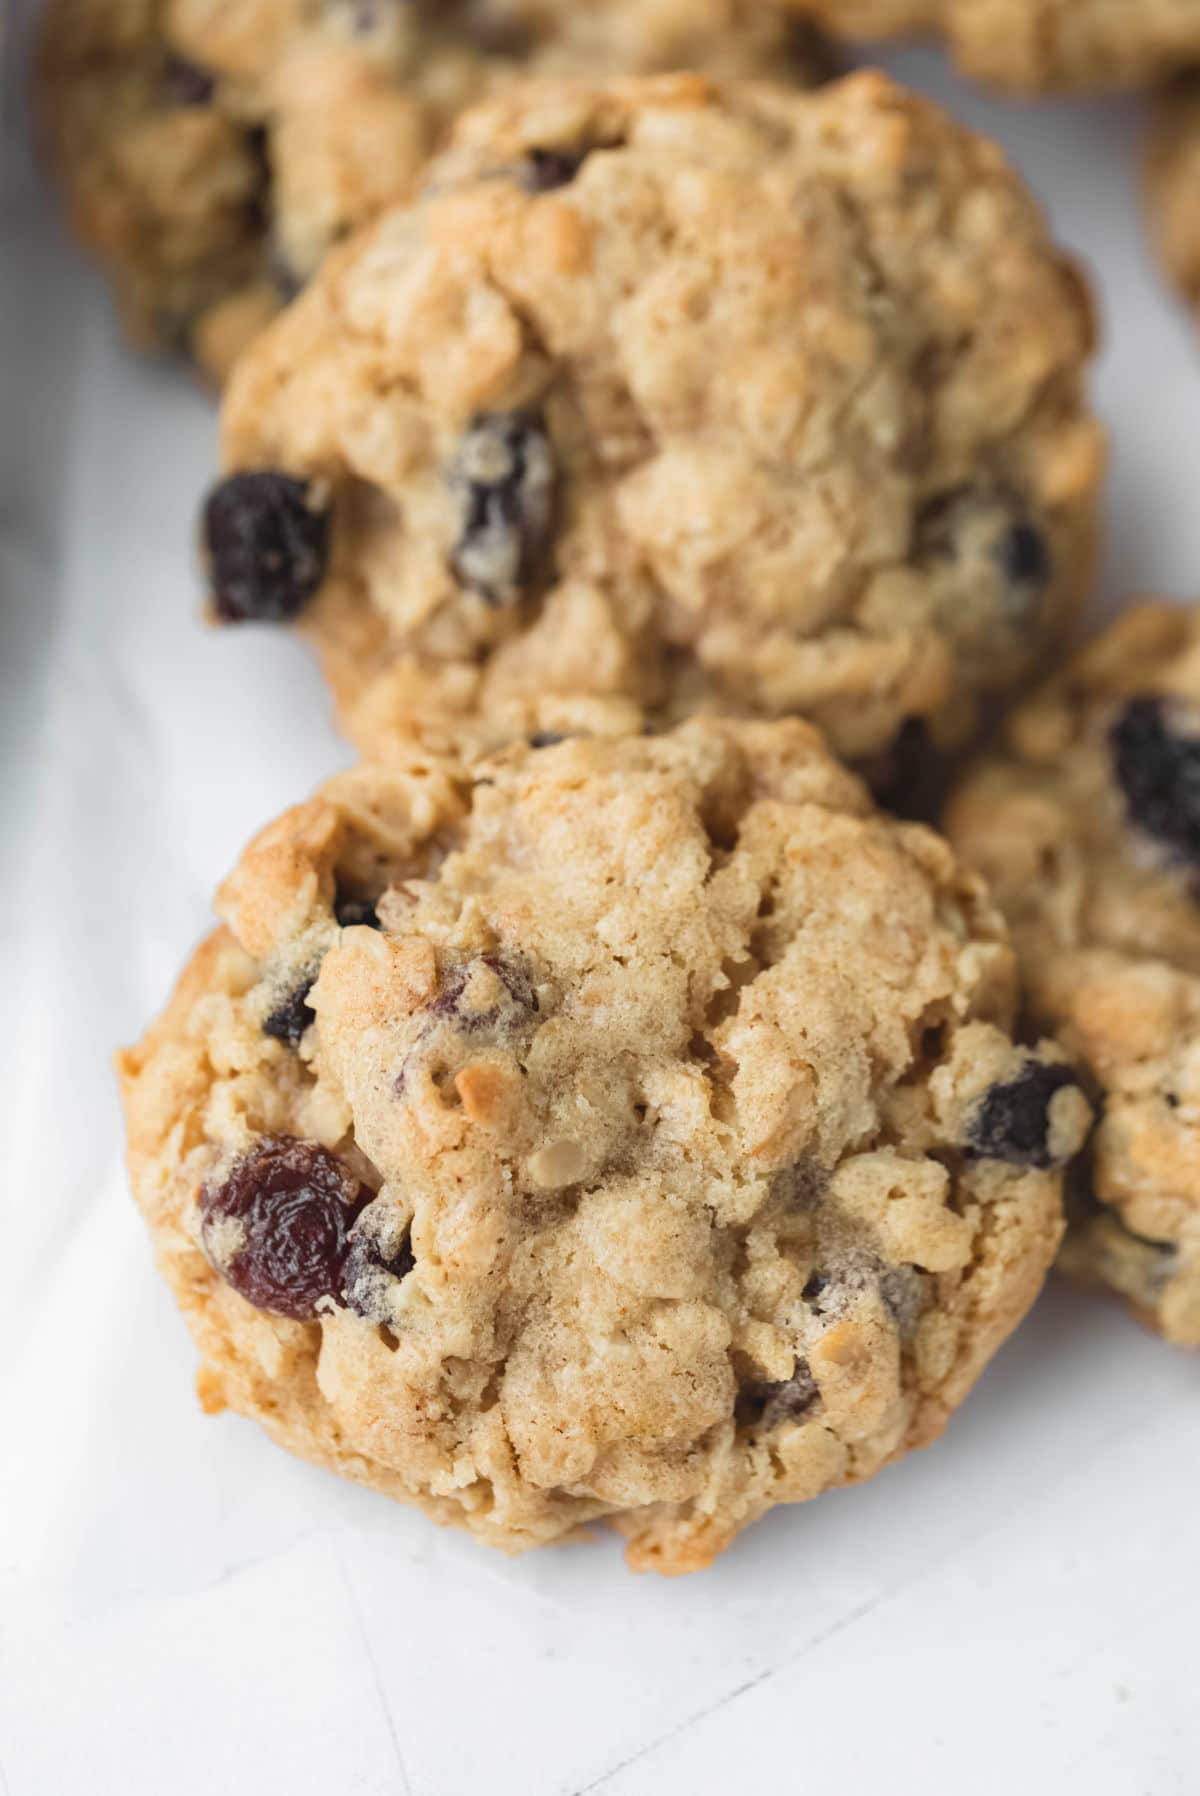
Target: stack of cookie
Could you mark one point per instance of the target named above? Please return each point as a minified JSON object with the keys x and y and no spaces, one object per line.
{"x":596,"y":1105}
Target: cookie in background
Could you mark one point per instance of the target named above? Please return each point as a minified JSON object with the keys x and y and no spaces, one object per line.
{"x":1172,"y":181}
{"x":710,"y":396}
{"x":1087,"y":827}
{"x":211,"y":153}
{"x":1034,"y":46}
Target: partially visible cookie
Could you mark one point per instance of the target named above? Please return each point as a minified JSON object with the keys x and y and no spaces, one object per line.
{"x":212,"y":150}
{"x":1088,"y":828}
{"x":1173,"y":184}
{"x":601,"y":1126}
{"x":704,"y":395}
{"x":1035,"y":46}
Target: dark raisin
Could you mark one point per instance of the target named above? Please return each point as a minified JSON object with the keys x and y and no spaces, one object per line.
{"x":766,"y":1405}
{"x":811,"y":52}
{"x":266,"y":546}
{"x":1158,"y":772}
{"x":817,"y":1283}
{"x":372,"y":1267}
{"x":912,"y":777}
{"x":503,"y":477}
{"x":545,"y":739}
{"x":354,"y":913}
{"x":1080,"y":1203}
{"x":292,"y":1015}
{"x":540,"y":171}
{"x":186,"y":84}
{"x":997,"y":558}
{"x":1012,"y":1122}
{"x":258,"y":207}
{"x":258,"y":148}
{"x":1024,"y":555}
{"x":277,"y":1229}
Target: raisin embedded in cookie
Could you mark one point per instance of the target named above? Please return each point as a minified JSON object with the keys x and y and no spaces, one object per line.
{"x":707,"y":396}
{"x":1034,"y":46}
{"x":1088,"y":827}
{"x":211,"y":154}
{"x":644,"y":1138}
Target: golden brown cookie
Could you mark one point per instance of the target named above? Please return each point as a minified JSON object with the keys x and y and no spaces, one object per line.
{"x":1172,"y":183}
{"x":1087,"y":825}
{"x":1035,"y":46}
{"x":601,"y":1126}
{"x":708,"y":396}
{"x":212,"y":150}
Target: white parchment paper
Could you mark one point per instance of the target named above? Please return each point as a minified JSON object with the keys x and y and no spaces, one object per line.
{"x":184,"y":1610}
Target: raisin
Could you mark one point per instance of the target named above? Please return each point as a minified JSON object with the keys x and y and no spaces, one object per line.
{"x":278,"y":1227}
{"x":540,"y":171}
{"x":1012,"y":1122}
{"x":257,"y":145}
{"x":354,"y":913}
{"x":912,"y":777}
{"x":545,"y":739}
{"x":267,"y":546}
{"x":185,"y":84}
{"x":1023,"y":555}
{"x":258,"y":148}
{"x":503,"y":477}
{"x":1158,"y":772}
{"x":769,"y":1404}
{"x":810,"y":52}
{"x":372,"y":1265}
{"x":292,"y":1015}
{"x":997,"y":557}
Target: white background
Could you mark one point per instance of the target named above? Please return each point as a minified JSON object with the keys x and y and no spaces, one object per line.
{"x":182,"y":1608}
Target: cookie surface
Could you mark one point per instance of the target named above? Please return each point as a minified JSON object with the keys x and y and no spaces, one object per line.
{"x":1036,"y":46}
{"x":706,"y":395}
{"x":615,"y":1126}
{"x":1088,"y":828}
{"x":212,"y":150}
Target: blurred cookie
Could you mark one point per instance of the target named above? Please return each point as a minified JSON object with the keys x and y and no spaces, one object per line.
{"x":1173,"y":183}
{"x":1035,"y":46}
{"x":212,"y":150}
{"x":1087,"y":825}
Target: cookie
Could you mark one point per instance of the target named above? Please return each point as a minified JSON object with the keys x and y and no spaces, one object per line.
{"x":612,"y":1125}
{"x":212,"y":150}
{"x":1035,"y":46}
{"x":1171,"y":177}
{"x":1087,"y":825}
{"x":703,"y":395}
